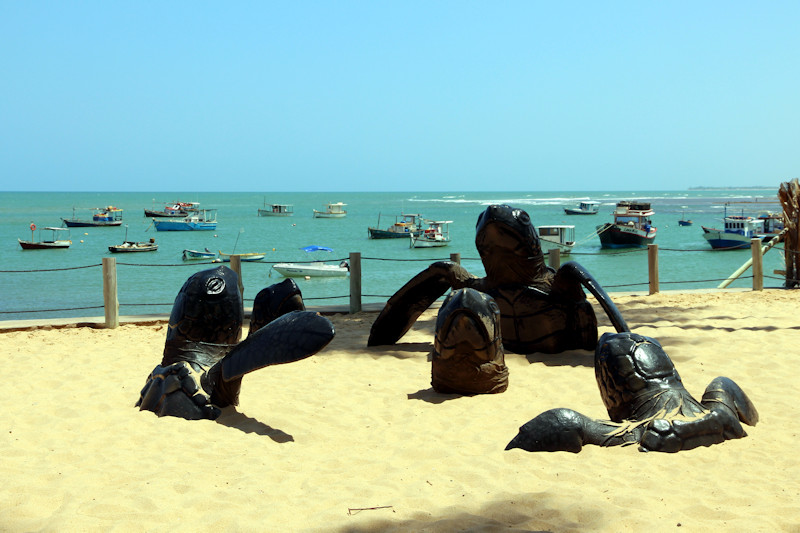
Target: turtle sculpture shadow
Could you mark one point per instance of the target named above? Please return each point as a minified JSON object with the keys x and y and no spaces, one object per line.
{"x":541,"y":310}
{"x":204,"y":361}
{"x":647,"y":404}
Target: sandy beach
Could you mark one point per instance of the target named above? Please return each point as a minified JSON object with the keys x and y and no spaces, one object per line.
{"x":354,"y":438}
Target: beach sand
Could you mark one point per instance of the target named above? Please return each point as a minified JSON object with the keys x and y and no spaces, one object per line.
{"x":354,"y":439}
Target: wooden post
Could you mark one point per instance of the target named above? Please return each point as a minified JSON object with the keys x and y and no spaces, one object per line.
{"x":652,"y":267}
{"x":554,"y":258}
{"x":355,"y":282}
{"x":758,"y":264}
{"x":236,"y":266}
{"x":110,"y":301}
{"x":455,"y":258}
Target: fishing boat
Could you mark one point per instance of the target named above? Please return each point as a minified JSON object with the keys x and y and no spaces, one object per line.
{"x":55,"y":242}
{"x":737,"y":232}
{"x":174,"y":209}
{"x":253,"y":256}
{"x":130,"y":246}
{"x":336,"y":210}
{"x":407,"y":226}
{"x":632,"y":226}
{"x":773,"y":225}
{"x":276,"y":210}
{"x":560,"y":238}
{"x":191,"y":255}
{"x":103,"y":216}
{"x":204,"y":219}
{"x":437,"y":234}
{"x":313,"y":268}
{"x":684,"y":221}
{"x":586,"y":207}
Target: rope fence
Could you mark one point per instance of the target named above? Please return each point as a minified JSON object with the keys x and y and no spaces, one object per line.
{"x":111,"y":303}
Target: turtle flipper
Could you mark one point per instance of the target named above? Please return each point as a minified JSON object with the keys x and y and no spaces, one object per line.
{"x":290,"y":337}
{"x":413,"y":298}
{"x":724,"y":393}
{"x":565,"y":430}
{"x":174,"y":390}
{"x":573,"y":270}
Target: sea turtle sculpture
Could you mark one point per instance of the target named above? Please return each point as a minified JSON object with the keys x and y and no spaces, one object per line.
{"x":204,"y":362}
{"x":647,"y":404}
{"x":542,"y":310}
{"x":467,"y":355}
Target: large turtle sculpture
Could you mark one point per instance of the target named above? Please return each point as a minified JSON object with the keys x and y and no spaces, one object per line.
{"x":204,"y":362}
{"x":541,"y":310}
{"x":647,"y":404}
{"x":467,"y":355}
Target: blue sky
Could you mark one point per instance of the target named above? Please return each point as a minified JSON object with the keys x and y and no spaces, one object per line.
{"x":398,"y":96}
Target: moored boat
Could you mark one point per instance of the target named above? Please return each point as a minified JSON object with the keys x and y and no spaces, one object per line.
{"x":174,"y":209}
{"x":632,"y":226}
{"x":130,"y":246}
{"x":313,"y":268}
{"x":204,"y":219}
{"x":103,"y":216}
{"x":557,"y":237}
{"x":252,"y":256}
{"x":276,"y":210}
{"x":436,"y":235}
{"x":773,"y":225}
{"x":737,"y":232}
{"x":53,"y":243}
{"x":407,"y":226}
{"x":336,"y":210}
{"x":585,"y":207}
{"x":684,"y":221}
{"x":190,"y":255}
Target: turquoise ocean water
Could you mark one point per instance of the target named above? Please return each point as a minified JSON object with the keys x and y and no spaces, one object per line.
{"x":68,"y":283}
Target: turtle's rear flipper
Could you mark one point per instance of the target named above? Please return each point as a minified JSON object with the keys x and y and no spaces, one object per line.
{"x":288,"y":338}
{"x":413,"y":298}
{"x":565,"y":430}
{"x":724,"y":393}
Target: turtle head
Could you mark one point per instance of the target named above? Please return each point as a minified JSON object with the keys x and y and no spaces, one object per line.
{"x":508,"y":245}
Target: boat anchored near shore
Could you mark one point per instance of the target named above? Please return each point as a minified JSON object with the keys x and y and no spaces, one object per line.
{"x":632,"y":226}
{"x":313,"y":268}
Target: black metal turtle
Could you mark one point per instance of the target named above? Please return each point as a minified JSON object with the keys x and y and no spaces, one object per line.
{"x":467,"y":355}
{"x":542,"y":310}
{"x":647,"y":404}
{"x":204,"y":362}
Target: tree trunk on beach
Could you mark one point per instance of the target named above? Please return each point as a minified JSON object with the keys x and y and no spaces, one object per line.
{"x":789,"y":194}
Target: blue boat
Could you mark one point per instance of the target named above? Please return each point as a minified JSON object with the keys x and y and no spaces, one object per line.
{"x":205,"y":219}
{"x":737,"y":232}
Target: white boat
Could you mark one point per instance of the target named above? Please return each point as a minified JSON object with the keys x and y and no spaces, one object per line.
{"x":53,"y":243}
{"x":437,"y":234}
{"x":556,"y":237}
{"x":130,"y":246}
{"x":587,"y":207}
{"x":336,"y":210}
{"x":314,"y":268}
{"x":190,"y":255}
{"x":276,"y":210}
{"x":736,"y":233}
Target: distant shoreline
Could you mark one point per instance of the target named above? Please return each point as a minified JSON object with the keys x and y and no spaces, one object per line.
{"x":752,"y":188}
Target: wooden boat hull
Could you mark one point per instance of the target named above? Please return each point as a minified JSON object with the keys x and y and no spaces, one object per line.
{"x":722,"y":240}
{"x":44,"y":245}
{"x":684,"y":222}
{"x":616,"y":236}
{"x":252,"y":257}
{"x":429,"y":243}
{"x":302,"y":270}
{"x":570,"y":211}
{"x":182,"y":225}
{"x":75,"y":223}
{"x":164,"y":214}
{"x":375,"y":233}
{"x":133,"y":247}
{"x":190,"y":255}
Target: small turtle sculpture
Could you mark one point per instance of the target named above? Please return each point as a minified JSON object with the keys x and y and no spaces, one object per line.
{"x":204,"y":362}
{"x":467,"y":355}
{"x":647,"y":404}
{"x":542,"y":310}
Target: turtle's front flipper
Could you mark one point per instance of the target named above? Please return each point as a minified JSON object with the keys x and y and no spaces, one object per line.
{"x":565,"y":430}
{"x":724,"y":393}
{"x":174,"y":390}
{"x":413,"y":298}
{"x":288,"y":338}
{"x":573,"y":270}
